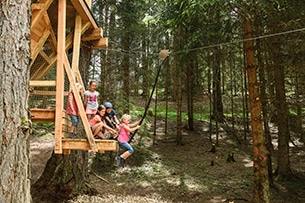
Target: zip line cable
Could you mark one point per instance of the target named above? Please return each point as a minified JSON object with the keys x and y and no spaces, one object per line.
{"x":213,"y":45}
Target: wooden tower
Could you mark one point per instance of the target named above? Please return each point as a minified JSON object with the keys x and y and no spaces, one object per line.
{"x":59,"y":27}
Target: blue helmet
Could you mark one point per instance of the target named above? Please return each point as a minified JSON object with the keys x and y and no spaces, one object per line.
{"x":108,"y":105}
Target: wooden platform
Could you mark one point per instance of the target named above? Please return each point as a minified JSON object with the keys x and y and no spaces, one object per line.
{"x":83,"y":144}
{"x":67,"y":144}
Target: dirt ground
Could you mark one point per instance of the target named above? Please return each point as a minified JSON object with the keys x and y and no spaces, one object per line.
{"x":166,"y":173}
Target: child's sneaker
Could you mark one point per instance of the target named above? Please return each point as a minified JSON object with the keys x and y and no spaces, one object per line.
{"x":118,"y":160}
{"x":122,"y":162}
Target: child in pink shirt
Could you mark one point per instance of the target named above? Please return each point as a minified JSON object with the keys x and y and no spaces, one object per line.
{"x":125,"y":129}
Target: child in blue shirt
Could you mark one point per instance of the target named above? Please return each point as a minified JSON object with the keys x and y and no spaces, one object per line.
{"x":110,"y":116}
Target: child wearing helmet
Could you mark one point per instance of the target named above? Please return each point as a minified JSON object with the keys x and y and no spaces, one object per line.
{"x":110,"y":116}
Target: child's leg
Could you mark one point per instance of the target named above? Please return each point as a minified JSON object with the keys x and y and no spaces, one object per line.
{"x":129,"y":149}
{"x":97,"y":128}
{"x":101,"y":135}
{"x":126,"y":154}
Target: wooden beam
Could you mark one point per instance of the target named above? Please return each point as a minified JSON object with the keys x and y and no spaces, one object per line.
{"x":61,"y":37}
{"x":43,"y":8}
{"x":42,"y":115}
{"x":83,"y":144}
{"x":45,"y":56}
{"x":82,"y":9}
{"x":80,"y":105}
{"x":76,"y":43}
{"x":45,"y":93}
{"x":102,"y":43}
{"x":42,"y":83}
{"x":94,"y":34}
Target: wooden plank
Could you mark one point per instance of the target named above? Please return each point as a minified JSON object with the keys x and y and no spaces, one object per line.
{"x":83,"y":144}
{"x":94,"y":34}
{"x":42,"y":83}
{"x":61,"y":36}
{"x":82,"y":9}
{"x":76,"y":43}
{"x":45,"y":93}
{"x":42,"y":115}
{"x":36,"y":6}
{"x":102,"y":43}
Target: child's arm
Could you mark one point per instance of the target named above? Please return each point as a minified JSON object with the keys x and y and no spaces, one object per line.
{"x":135,"y":124}
{"x":131,"y":128}
{"x":116,"y":120}
{"x":108,"y":120}
{"x":112,"y":131}
{"x":71,"y":103}
{"x":85,"y":101}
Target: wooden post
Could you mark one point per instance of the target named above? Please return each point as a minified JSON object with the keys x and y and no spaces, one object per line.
{"x":61,"y":37}
{"x":76,"y":43}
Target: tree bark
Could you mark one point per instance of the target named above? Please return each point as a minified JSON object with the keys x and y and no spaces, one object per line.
{"x":14,"y":78}
{"x":260,"y":165}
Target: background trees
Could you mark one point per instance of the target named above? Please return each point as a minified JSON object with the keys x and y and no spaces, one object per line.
{"x":208,"y":62}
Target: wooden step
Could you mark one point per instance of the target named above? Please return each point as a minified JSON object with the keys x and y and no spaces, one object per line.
{"x":83,"y":144}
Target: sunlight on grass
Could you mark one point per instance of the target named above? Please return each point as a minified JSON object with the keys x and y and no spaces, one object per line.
{"x":248,"y":162}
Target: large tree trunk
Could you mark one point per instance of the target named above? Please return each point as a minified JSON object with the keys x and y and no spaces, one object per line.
{"x":63,"y":177}
{"x":260,"y":165}
{"x":14,"y":123}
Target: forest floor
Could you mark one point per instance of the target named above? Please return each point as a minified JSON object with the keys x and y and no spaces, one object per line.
{"x":166,"y":173}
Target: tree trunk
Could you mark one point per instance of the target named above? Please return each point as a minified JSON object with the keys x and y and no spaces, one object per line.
{"x":190,"y":88}
{"x":283,"y":163}
{"x":217,"y":96}
{"x":14,"y":124}
{"x":178,"y":86}
{"x":265,"y":116}
{"x":63,"y":177}
{"x":261,"y":178}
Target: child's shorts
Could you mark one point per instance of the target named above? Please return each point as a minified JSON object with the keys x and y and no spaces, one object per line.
{"x":74,"y":120}
{"x":90,"y":111}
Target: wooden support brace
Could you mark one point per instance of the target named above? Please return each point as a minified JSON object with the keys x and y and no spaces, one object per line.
{"x":95,"y":34}
{"x":102,"y":43}
{"x":79,"y":104}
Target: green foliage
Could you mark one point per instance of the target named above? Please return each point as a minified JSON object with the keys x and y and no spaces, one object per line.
{"x":44,"y":124}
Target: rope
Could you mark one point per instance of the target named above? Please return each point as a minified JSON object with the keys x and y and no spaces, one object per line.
{"x":150,"y":98}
